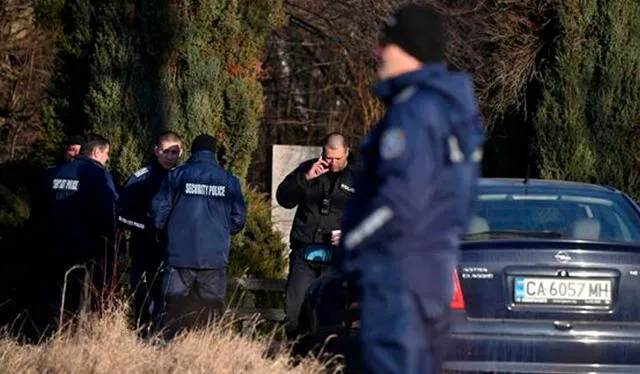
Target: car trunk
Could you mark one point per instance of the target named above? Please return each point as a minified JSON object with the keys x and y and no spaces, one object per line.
{"x":550,"y":279}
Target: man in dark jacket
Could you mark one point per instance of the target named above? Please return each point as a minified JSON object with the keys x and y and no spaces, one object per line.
{"x":201,"y":206}
{"x":413,"y":199}
{"x":320,"y":190}
{"x":146,"y":247}
{"x":82,"y":223}
{"x":33,"y":291}
{"x":37,"y":222}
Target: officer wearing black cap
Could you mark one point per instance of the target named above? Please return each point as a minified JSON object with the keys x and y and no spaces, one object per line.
{"x":413,"y":198}
{"x":201,"y":205}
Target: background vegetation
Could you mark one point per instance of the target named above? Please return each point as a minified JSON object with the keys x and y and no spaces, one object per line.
{"x":108,"y":345}
{"x":558,"y":83}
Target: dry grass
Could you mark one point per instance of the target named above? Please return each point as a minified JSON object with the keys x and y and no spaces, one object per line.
{"x":107,"y":344}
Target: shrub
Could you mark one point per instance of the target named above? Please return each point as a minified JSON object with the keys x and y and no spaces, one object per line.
{"x":260,"y":251}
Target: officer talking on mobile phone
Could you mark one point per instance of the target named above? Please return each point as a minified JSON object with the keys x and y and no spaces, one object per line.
{"x":320,"y":189}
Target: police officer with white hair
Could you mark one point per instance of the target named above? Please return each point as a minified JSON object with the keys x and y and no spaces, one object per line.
{"x":201,"y":206}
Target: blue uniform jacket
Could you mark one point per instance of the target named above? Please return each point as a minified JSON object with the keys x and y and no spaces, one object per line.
{"x":416,"y":190}
{"x":134,"y":203}
{"x":82,"y":210}
{"x":134,"y":210}
{"x":201,"y":206}
{"x":39,"y":228}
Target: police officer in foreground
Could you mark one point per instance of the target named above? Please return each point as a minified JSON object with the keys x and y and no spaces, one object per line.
{"x":320,"y":189}
{"x":82,"y":219}
{"x":201,"y":205}
{"x":147,"y":251}
{"x":414,"y":197}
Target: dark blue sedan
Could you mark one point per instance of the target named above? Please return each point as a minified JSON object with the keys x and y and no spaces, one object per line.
{"x":548,"y":282}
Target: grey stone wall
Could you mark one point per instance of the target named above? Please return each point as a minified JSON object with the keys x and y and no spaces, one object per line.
{"x":285,"y":159}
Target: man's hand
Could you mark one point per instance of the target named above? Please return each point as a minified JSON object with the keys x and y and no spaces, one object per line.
{"x":336,"y":235}
{"x":317,"y":169}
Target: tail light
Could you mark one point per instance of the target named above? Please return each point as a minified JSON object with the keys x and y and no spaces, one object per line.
{"x":457,"y":302}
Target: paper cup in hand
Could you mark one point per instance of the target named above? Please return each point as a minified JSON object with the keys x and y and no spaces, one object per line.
{"x":335,"y":235}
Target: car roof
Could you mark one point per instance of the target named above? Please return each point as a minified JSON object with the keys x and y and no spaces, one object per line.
{"x":545,"y":184}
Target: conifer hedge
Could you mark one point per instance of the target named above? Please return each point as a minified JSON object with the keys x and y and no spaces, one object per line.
{"x":130,"y":70}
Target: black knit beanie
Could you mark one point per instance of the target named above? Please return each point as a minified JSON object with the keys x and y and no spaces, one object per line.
{"x":203,"y":142}
{"x":73,"y":140}
{"x":419,"y":30}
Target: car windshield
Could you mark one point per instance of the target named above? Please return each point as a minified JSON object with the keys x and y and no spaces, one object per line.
{"x":541,"y":214}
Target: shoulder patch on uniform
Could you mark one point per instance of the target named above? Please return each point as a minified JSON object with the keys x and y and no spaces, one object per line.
{"x":405,"y":94}
{"x":347,"y":188}
{"x":393,"y":143}
{"x":455,"y":153}
{"x":477,"y":155}
{"x":141,"y":172}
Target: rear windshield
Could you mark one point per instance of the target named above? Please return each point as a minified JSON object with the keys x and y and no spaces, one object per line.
{"x":607,"y":217}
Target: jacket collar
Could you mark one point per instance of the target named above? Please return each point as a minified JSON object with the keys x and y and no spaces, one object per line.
{"x":156,"y":168}
{"x":388,"y":89}
{"x":89,"y":160}
{"x":204,"y":156}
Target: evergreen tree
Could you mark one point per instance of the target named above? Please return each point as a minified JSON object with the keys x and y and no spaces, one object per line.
{"x":588,"y":119}
{"x":211,"y":81}
{"x":129,"y":70}
{"x":64,"y":111}
{"x":110,"y":105}
{"x":210,"y":84}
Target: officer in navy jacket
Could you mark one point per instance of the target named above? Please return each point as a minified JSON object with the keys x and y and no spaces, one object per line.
{"x":38,"y":252}
{"x":414,"y":197}
{"x":82,"y":220}
{"x":201,"y":205}
{"x":37,"y":219}
{"x":147,"y":250}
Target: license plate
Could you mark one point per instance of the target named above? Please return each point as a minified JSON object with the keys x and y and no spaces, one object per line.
{"x":562,"y":291}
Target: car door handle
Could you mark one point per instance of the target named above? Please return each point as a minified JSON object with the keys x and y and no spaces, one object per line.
{"x":562,"y":325}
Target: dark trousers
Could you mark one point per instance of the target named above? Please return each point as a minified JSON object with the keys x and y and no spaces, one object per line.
{"x":146,"y":281}
{"x":192,"y":297}
{"x":301,"y":274}
{"x":401,"y":332}
{"x":69,"y":288}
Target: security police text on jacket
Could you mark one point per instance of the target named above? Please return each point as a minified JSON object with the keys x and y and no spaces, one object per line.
{"x":201,"y":205}
{"x":320,"y":202}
